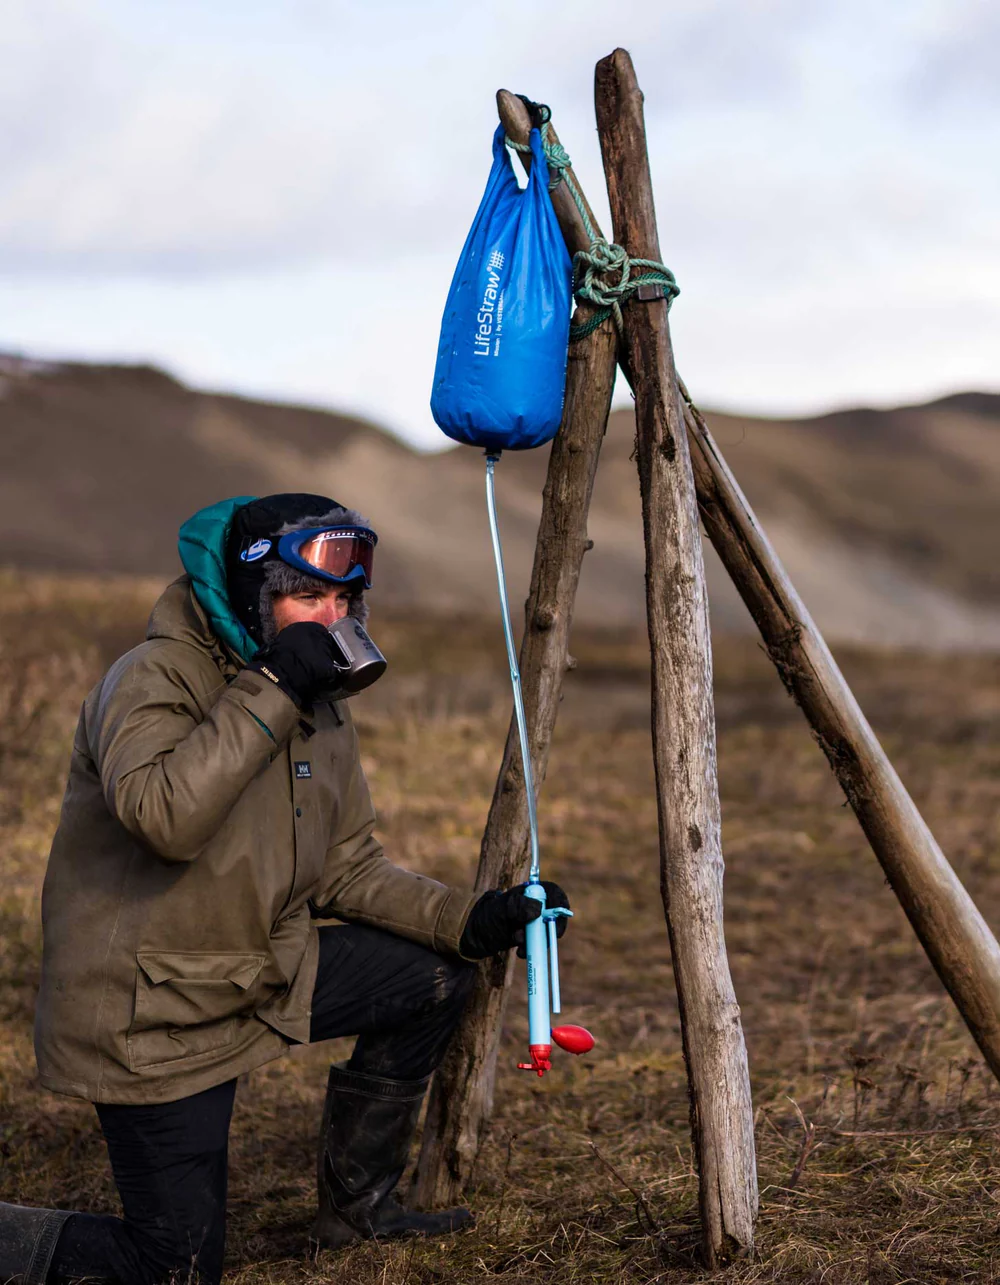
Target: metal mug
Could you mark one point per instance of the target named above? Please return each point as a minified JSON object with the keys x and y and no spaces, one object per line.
{"x":360,"y":662}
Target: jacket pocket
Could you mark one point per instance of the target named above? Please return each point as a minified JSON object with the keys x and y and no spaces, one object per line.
{"x":187,"y":1002}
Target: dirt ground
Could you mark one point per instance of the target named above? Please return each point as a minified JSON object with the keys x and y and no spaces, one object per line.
{"x":877,"y":1122}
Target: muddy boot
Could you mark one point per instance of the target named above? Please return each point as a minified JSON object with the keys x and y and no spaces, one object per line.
{"x":27,"y":1242}
{"x":368,"y":1125}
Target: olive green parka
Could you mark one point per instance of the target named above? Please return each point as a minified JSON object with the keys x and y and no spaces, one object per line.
{"x":207,"y":823}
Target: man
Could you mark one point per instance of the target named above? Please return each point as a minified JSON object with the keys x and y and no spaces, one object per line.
{"x":216,"y":808}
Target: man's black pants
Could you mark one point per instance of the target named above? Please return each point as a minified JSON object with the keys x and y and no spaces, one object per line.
{"x":170,"y":1160}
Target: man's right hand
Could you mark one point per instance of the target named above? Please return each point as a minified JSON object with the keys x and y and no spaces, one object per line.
{"x":302,"y":661}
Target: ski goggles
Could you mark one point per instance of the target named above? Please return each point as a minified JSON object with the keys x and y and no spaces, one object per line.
{"x":343,"y":554}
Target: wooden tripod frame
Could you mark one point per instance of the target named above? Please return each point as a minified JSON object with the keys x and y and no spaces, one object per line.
{"x":683,"y":476}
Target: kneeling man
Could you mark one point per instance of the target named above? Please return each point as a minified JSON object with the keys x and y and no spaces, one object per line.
{"x":216,"y":810}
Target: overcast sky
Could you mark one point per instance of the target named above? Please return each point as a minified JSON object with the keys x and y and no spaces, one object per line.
{"x":270,"y":197}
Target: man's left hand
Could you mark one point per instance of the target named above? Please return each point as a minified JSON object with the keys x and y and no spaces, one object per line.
{"x":498,"y":920}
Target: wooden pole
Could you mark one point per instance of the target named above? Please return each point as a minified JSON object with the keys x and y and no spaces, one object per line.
{"x":516,"y":121}
{"x":691,"y":864}
{"x":461,"y":1099}
{"x":958,"y":941}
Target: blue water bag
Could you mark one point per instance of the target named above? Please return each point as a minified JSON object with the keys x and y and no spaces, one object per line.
{"x":501,"y":364}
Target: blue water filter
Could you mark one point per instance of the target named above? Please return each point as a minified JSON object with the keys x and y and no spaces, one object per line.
{"x":537,"y":949}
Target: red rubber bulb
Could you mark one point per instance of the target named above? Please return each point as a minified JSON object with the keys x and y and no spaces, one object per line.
{"x":574,"y":1039}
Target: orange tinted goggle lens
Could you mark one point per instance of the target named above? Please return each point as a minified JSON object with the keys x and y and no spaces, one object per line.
{"x":338,"y":554}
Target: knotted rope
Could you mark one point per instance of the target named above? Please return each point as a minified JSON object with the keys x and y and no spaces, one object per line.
{"x":602,"y":275}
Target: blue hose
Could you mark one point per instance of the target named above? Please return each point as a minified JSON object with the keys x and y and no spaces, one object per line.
{"x":515,"y":673}
{"x":541,"y":934}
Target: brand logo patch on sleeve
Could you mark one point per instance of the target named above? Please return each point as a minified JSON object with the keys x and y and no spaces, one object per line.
{"x":303,"y":772}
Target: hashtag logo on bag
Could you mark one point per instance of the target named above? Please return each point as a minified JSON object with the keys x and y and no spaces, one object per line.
{"x":496,"y":260}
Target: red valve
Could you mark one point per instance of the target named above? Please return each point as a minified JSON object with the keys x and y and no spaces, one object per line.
{"x":541,"y":1059}
{"x":574,"y":1039}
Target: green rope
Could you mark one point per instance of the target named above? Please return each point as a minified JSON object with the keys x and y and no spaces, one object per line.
{"x":602,"y":275}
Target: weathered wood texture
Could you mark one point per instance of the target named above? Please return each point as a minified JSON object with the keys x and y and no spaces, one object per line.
{"x":958,"y":942}
{"x":461,"y":1099}
{"x":516,"y":121}
{"x":691,"y":863}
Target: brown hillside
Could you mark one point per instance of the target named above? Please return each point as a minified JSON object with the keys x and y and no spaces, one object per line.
{"x":887,"y":520}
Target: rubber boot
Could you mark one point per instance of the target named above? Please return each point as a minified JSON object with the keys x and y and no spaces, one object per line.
{"x":368,"y":1125}
{"x":27,"y":1242}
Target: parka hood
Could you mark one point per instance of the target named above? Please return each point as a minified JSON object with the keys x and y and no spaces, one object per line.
{"x":202,"y":548}
{"x":203,"y":544}
{"x":179,"y":616}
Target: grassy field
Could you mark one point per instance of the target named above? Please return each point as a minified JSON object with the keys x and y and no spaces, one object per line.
{"x":877,"y":1123}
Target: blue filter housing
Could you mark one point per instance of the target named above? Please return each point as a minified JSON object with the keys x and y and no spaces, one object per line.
{"x":501,"y":364}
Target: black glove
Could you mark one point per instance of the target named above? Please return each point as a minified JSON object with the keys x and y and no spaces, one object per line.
{"x":302,"y":661}
{"x":498,"y":920}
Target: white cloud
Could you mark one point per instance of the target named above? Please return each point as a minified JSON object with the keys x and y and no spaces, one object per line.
{"x":163,"y":156}
{"x":273,"y":197}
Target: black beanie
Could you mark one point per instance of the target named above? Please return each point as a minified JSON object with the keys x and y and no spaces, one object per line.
{"x":267,"y":519}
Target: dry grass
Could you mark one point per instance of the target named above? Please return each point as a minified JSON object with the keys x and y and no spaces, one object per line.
{"x":876,"y":1120}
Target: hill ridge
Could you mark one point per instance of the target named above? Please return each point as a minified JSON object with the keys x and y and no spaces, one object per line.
{"x":886,"y":519}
